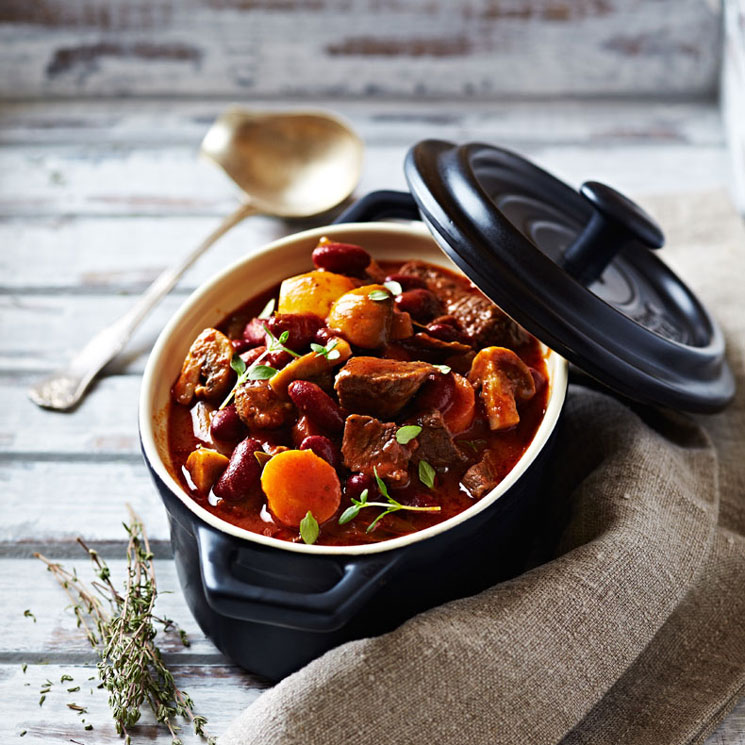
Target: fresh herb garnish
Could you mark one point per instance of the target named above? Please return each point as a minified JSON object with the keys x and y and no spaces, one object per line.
{"x":120,"y":626}
{"x":444,"y":369}
{"x":393,"y":287}
{"x":388,"y":507}
{"x":405,"y":435}
{"x":238,"y":364}
{"x":426,"y":474}
{"x":379,"y":295}
{"x":475,"y":445}
{"x":261,"y":372}
{"x":268,"y":310}
{"x":28,"y":614}
{"x":330,"y":352}
{"x":309,"y":528}
{"x":278,"y":345}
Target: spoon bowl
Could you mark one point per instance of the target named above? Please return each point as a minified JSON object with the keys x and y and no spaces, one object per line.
{"x":287,"y":164}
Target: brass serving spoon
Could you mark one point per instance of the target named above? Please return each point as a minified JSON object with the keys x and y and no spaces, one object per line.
{"x":288,"y":165}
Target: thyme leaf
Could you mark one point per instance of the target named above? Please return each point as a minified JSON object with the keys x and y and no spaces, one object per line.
{"x":393,"y":287}
{"x":261,"y":372}
{"x":379,"y":295}
{"x":309,"y":528}
{"x":426,"y":474}
{"x":444,"y":369}
{"x":405,"y":435}
{"x":278,"y":344}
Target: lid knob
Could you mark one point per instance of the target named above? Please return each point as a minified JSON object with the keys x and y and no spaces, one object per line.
{"x":615,"y":222}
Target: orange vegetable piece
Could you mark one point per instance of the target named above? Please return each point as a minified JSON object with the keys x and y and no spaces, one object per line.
{"x":459,"y":415}
{"x":503,"y":379}
{"x":314,"y":292}
{"x":308,"y":366}
{"x":298,"y":481}
{"x":205,"y":466}
{"x":361,"y":319}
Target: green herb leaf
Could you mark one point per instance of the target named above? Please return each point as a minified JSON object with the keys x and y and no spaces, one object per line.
{"x":381,"y":484}
{"x":283,"y":337}
{"x":238,"y":364}
{"x":28,"y":614}
{"x":379,"y":295}
{"x":444,"y":369}
{"x":262,"y":457}
{"x":364,"y":495}
{"x":406,"y":434}
{"x":372,"y":525}
{"x":319,"y":349}
{"x":309,"y":528}
{"x":394,"y":287}
{"x":329,"y":352}
{"x":333,"y":354}
{"x":261,"y":372}
{"x":349,"y":514}
{"x":268,"y":310}
{"x":426,"y":474}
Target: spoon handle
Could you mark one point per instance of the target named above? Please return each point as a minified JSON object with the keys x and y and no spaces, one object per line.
{"x":65,"y":387}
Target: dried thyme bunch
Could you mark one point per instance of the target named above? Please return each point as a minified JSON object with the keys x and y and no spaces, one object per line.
{"x":121,"y":627}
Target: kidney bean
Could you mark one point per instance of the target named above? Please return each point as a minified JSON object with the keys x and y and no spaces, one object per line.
{"x":242,"y":473}
{"x":342,"y":258}
{"x":437,"y":392}
{"x":447,"y":328}
{"x":407,"y":282}
{"x":421,"y":305}
{"x":240,"y":345}
{"x":252,"y":355}
{"x":357,"y":483}
{"x":324,"y":335}
{"x":253,"y":333}
{"x":277,"y":359}
{"x":226,"y":425}
{"x":302,"y":328}
{"x":317,"y":405}
{"x":323,"y":448}
{"x":539,"y":379}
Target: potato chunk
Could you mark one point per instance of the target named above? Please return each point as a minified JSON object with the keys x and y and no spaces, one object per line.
{"x":363,"y":316}
{"x":503,"y":379}
{"x":314,"y":292}
{"x":205,"y":466}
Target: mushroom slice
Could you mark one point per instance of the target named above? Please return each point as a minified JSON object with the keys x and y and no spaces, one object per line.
{"x":206,"y":372}
{"x":503,"y":379}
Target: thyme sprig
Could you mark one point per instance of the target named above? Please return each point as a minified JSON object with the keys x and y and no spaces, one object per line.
{"x":121,"y":627}
{"x":389,"y":507}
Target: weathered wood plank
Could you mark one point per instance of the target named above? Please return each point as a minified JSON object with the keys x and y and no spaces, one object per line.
{"x":103,"y":426}
{"x":104,"y":181}
{"x":219,"y":692}
{"x":153,"y":123}
{"x":342,"y":48}
{"x":48,"y":504}
{"x":54,"y":636}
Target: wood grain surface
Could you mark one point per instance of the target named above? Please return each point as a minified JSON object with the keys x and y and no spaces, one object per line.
{"x":404,"y":48}
{"x":95,"y":198}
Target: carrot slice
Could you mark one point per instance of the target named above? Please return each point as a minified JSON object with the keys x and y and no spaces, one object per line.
{"x":298,"y":481}
{"x":459,"y":415}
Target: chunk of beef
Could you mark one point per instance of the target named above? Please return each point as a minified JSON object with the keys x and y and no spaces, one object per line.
{"x":484,"y":475}
{"x":259,"y":407}
{"x":483,"y":321}
{"x":436,"y":444}
{"x":379,"y":387}
{"x":444,"y":286}
{"x":369,"y":445}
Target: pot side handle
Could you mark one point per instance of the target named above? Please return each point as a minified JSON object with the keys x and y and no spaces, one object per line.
{"x":380,"y":205}
{"x":327,"y":610}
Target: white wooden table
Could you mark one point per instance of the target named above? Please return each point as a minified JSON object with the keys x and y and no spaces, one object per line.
{"x":95,"y":198}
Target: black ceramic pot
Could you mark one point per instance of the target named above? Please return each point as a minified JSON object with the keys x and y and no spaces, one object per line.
{"x":273,"y":606}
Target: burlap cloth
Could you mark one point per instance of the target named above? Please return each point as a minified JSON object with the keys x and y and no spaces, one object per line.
{"x":633,"y":633}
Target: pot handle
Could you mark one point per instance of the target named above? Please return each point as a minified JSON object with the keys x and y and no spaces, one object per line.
{"x":379,"y":205}
{"x":249,"y":599}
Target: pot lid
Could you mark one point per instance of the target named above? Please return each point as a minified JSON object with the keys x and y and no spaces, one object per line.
{"x":576,"y":269}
